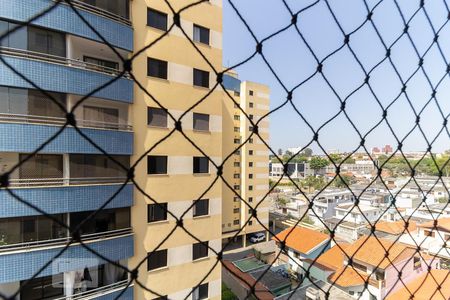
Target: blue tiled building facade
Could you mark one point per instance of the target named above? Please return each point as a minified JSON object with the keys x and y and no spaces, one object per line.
{"x":53,"y":194}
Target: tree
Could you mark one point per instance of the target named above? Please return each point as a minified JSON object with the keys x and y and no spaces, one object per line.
{"x":313,"y":182}
{"x":280,"y":152}
{"x":308,"y":152}
{"x":336,"y":158}
{"x":345,"y":181}
{"x":316,"y":163}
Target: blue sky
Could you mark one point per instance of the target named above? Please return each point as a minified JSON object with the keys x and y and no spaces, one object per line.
{"x":293,"y":63}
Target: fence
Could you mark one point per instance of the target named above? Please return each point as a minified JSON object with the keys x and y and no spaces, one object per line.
{"x":367,"y":63}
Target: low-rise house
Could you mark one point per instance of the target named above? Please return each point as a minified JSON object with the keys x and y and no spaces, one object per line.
{"x":371,"y":264}
{"x":349,"y":219}
{"x":325,"y":203}
{"x":301,"y":244}
{"x":432,"y":238}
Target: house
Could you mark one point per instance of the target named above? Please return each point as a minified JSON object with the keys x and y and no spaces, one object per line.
{"x":432,"y":238}
{"x":371,"y":264}
{"x":429,"y":286}
{"x":324,"y":204}
{"x":392,"y":230}
{"x":301,"y":244}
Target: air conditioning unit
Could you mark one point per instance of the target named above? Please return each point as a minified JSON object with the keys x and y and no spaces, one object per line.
{"x":312,"y":294}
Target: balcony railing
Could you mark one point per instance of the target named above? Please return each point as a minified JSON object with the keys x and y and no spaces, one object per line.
{"x":100,"y":12}
{"x":60,"y":60}
{"x":97,"y":292}
{"x":36,"y":182}
{"x":29,"y":119}
{"x":62,"y":241}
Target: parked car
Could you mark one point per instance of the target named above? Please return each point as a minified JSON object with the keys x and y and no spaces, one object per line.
{"x":258,"y":237}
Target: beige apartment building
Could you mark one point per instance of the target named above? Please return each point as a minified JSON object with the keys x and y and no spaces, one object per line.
{"x":247,"y":170}
{"x":173,"y":174}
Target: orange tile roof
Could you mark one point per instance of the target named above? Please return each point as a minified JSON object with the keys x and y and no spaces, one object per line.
{"x":395,"y":228}
{"x":425,"y":287}
{"x":348,"y":276}
{"x":371,"y":250}
{"x":334,"y":257}
{"x":302,"y":239}
{"x":442,"y":224}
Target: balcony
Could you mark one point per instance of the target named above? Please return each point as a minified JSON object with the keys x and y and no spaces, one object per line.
{"x":64,"y":75}
{"x":24,"y":264}
{"x":112,"y":26}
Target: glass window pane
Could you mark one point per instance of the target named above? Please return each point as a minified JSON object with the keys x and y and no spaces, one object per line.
{"x":156,"y":117}
{"x":18,"y":101}
{"x":18,"y":38}
{"x":201,"y":122}
{"x":4,"y":98}
{"x":156,"y":19}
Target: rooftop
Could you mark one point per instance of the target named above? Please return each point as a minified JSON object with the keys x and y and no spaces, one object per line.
{"x":442,"y":224}
{"x":371,"y":251}
{"x":302,"y":239}
{"x":396,"y":228}
{"x":347,"y":276}
{"x":321,"y":288}
{"x":334,"y":257}
{"x":425,"y":287}
{"x":271,"y":280}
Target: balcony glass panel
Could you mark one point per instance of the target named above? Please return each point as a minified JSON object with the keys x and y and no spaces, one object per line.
{"x":106,"y":220}
{"x":41,"y":166}
{"x":118,"y":7}
{"x":46,"y":41}
{"x":97,"y":166}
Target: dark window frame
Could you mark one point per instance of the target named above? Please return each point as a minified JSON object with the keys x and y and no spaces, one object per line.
{"x":157,"y":24}
{"x":204,"y":34}
{"x":157,"y":68}
{"x":154,"y":171}
{"x":200,"y":78}
{"x":156,"y":213}
{"x":199,"y":250}
{"x":157,"y":260}
{"x":198,"y":165}
{"x":162,"y":115}
{"x":200,"y":208}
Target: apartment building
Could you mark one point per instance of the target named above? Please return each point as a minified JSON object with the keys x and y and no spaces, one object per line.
{"x":177,"y":179}
{"x":69,"y":178}
{"x":246,"y":170}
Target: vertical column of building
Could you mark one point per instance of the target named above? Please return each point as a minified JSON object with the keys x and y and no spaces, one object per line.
{"x":175,"y":174}
{"x":254,"y":99}
{"x":68,"y":179}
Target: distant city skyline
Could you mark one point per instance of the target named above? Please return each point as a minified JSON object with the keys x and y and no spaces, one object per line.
{"x":293,"y":63}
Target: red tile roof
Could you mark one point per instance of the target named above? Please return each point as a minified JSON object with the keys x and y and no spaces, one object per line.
{"x":302,"y":239}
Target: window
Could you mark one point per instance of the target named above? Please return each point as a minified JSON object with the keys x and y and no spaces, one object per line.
{"x":236,"y":117}
{"x":156,"y":212}
{"x":417,"y":263}
{"x":236,"y":199}
{"x":156,"y":164}
{"x":250,"y":140}
{"x":156,"y":259}
{"x":201,"y":122}
{"x":237,"y":141}
{"x":156,"y":117}
{"x":250,"y":176}
{"x":43,"y":287}
{"x":250,"y":92}
{"x":101,"y":62}
{"x":236,"y":129}
{"x":250,"y":128}
{"x":156,"y":68}
{"x":236,"y":222}
{"x":199,"y":250}
{"x":108,"y":116}
{"x":201,"y":207}
{"x":156,"y":19}
{"x":250,"y":164}
{"x":250,"y":104}
{"x":118,"y":7}
{"x":237,"y":176}
{"x":41,"y":166}
{"x":201,"y":78}
{"x":237,"y":187}
{"x":46,"y":41}
{"x":16,"y":39}
{"x":250,"y":187}
{"x":250,"y":211}
{"x":201,"y":34}
{"x":236,"y":210}
{"x":237,"y":94}
{"x":250,"y":223}
{"x":237,"y":164}
{"x":200,"y":292}
{"x":250,"y":152}
{"x":97,"y":166}
{"x":250,"y":117}
{"x":201,"y":165}
{"x":428,"y":233}
{"x":237,"y":152}
{"x":250,"y":199}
